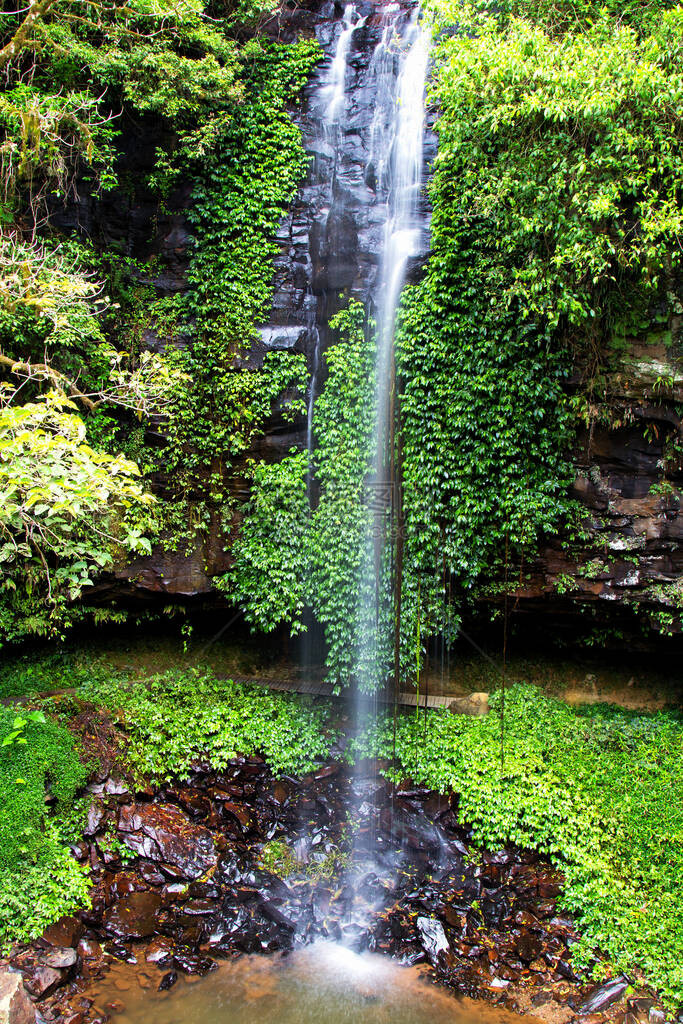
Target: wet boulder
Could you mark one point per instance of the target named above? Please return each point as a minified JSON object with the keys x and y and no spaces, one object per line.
{"x":42,"y":981}
{"x":432,"y":936}
{"x":165,"y":835}
{"x":134,"y":916}
{"x":15,"y":1005}
{"x":604,"y":995}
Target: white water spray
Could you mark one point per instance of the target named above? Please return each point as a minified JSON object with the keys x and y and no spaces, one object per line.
{"x":396,"y":161}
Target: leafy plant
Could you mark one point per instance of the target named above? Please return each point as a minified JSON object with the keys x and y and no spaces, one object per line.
{"x":589,"y":786}
{"x":176,"y":719}
{"x":39,"y":880}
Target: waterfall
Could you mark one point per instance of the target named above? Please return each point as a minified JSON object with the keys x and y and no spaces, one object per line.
{"x":332,"y":109}
{"x":358,"y":221}
{"x":395,"y":168}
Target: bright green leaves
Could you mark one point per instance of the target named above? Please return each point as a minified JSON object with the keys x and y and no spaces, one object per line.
{"x":590,"y":786}
{"x":270,"y":574}
{"x":556,"y":214}
{"x":288,"y":556}
{"x":48,"y":138}
{"x":17,"y":733}
{"x":61,"y":504}
{"x":242,"y":190}
{"x":39,"y":880}
{"x":242,"y":193}
{"x":176,"y":719}
{"x":560,"y":145}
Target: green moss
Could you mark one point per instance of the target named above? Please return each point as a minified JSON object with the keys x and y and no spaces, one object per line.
{"x":278,"y":858}
{"x":39,"y":879}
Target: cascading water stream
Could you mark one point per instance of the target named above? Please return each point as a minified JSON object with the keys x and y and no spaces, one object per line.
{"x":332,"y":100}
{"x":367,"y":138}
{"x":395,"y":168}
{"x":396,"y":161}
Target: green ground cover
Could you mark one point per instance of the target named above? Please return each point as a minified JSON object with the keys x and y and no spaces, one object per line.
{"x":595,"y":788}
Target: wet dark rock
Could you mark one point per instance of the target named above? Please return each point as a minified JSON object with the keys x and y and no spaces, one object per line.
{"x":164,"y":835}
{"x":168,"y":981}
{"x":89,"y":949}
{"x":549,"y":885}
{"x":414,"y":899}
{"x":133,"y":916}
{"x":192,"y":963}
{"x":65,"y":932}
{"x":95,"y":819}
{"x":39,"y":982}
{"x":121,"y":952}
{"x":77,"y":1017}
{"x":528,"y":946}
{"x":61,"y":958}
{"x":111,"y":786}
{"x":159,"y":950}
{"x":174,"y":892}
{"x":603,"y":996}
{"x":150,"y":873}
{"x":640,"y":1006}
{"x":432,"y":936}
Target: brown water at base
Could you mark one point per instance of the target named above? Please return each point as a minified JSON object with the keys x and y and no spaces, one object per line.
{"x":320,"y":984}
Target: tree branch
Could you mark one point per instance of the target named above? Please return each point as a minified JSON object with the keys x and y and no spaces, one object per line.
{"x":45,"y":372}
{"x":37,"y":10}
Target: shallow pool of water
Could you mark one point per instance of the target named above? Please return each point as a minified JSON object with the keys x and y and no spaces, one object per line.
{"x":325,"y":984}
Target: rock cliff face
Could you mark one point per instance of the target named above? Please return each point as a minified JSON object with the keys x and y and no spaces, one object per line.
{"x":330,"y":242}
{"x":329,"y":245}
{"x":628,"y":473}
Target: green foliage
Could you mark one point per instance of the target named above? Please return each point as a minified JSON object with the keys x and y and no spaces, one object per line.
{"x":567,"y":15}
{"x":564,"y":145}
{"x":592,"y":787}
{"x":281,"y":860}
{"x":269,"y":576}
{"x":61,"y":506}
{"x":40,"y":671}
{"x":177,"y":719}
{"x":228,"y":128}
{"x":39,"y":880}
{"x":278,"y":858}
{"x":47,"y":137}
{"x":243,"y":186}
{"x":288,"y":556}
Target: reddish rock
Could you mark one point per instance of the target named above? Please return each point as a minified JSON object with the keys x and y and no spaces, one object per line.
{"x":41,"y":981}
{"x":15,"y":1005}
{"x":95,"y":819}
{"x":134,"y":916}
{"x":89,"y":949}
{"x":549,"y":885}
{"x":166,"y":836}
{"x":61,"y":958}
{"x":159,"y":950}
{"x":65,"y":932}
{"x":151,"y":874}
{"x":238,"y":812}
